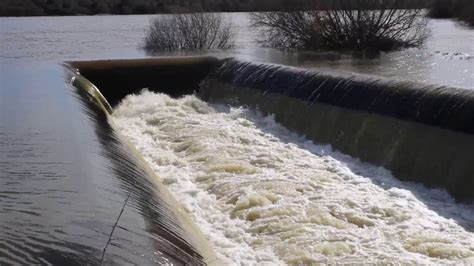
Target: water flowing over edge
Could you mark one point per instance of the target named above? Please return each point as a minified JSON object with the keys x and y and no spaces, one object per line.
{"x":408,"y":128}
{"x":262,"y":194}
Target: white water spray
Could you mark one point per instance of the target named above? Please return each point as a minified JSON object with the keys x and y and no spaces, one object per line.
{"x":264,"y":195}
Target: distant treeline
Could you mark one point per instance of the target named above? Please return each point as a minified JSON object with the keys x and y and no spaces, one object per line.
{"x":459,"y":9}
{"x":91,"y":7}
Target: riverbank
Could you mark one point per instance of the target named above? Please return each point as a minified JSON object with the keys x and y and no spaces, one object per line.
{"x":446,"y":58}
{"x":122,"y":7}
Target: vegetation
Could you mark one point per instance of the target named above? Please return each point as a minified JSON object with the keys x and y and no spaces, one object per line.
{"x":367,"y":28}
{"x":460,"y":9}
{"x":91,"y":7}
{"x":195,"y":31}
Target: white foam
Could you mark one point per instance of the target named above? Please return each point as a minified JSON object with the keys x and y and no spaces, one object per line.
{"x":263,"y":195}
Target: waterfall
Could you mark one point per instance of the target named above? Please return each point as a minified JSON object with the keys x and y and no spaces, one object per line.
{"x":420,"y":132}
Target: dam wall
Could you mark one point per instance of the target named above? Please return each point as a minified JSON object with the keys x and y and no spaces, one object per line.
{"x":420,"y":132}
{"x":168,"y":235}
{"x":175,"y":76}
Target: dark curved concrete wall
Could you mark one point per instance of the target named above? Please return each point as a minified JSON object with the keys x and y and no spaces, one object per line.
{"x":420,"y":133}
{"x":175,"y":76}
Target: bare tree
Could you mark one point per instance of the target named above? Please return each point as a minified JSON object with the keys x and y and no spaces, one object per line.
{"x":363,"y":25}
{"x":195,"y":31}
{"x":289,"y":30}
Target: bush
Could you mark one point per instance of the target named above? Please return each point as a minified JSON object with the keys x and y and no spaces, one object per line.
{"x":360,"y":26}
{"x":289,"y":30}
{"x":196,"y":31}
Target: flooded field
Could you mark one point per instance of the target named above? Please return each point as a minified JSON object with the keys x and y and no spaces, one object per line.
{"x":446,"y":59}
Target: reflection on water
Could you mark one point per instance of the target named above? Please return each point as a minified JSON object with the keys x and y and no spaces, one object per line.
{"x":65,"y":177}
{"x":446,"y":59}
{"x":42,"y":174}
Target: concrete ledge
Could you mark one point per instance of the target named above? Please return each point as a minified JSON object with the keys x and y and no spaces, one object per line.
{"x":174,"y":76}
{"x":439,"y":106}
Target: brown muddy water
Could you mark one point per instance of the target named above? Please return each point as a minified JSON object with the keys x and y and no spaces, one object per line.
{"x":260,"y":193}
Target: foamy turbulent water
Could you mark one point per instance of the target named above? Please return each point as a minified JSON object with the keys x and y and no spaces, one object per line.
{"x":263,"y":195}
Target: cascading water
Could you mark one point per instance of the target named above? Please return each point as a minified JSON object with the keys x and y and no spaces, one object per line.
{"x":421,"y":133}
{"x":264,"y":195}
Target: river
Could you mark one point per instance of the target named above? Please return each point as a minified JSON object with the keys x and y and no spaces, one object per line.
{"x":446,"y":59}
{"x":260,"y":193}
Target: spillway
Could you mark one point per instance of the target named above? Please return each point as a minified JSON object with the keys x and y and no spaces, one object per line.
{"x":266,"y":164}
{"x":264,"y":195}
{"x":281,"y":165}
{"x":420,"y":132}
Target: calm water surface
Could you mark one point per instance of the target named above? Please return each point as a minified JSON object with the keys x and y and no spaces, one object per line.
{"x":446,"y":59}
{"x":71,"y":193}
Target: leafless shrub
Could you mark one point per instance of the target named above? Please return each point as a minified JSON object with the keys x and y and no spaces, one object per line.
{"x":195,"y":31}
{"x":289,"y":30}
{"x":363,"y":25}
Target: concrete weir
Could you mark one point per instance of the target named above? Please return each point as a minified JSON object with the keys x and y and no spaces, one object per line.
{"x":176,"y":239}
{"x":421,"y":133}
{"x":174,"y":76}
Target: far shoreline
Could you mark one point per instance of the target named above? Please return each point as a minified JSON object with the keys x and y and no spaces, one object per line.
{"x":112,"y":14}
